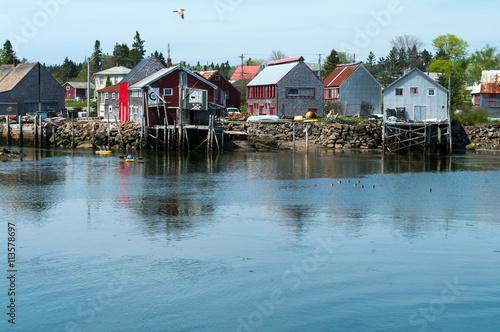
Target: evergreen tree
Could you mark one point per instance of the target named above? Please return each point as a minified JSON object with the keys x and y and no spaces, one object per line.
{"x":68,"y":71}
{"x":108,"y":82}
{"x":96,"y":62}
{"x":160,"y":57}
{"x":8,"y":52}
{"x":3,"y":60}
{"x":370,"y":62}
{"x":121,"y":54}
{"x":425,"y":60}
{"x":330,"y":64}
{"x":137,"y":52}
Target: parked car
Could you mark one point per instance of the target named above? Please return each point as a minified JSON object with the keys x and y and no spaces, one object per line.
{"x":232,"y":111}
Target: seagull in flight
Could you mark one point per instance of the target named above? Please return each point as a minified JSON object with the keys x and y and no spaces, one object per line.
{"x":180,"y":12}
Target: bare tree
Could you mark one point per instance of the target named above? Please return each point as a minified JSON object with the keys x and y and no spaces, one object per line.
{"x":277,"y":55}
{"x":407,"y":42}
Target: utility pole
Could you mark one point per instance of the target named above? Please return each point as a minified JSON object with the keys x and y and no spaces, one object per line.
{"x":319,"y":62}
{"x":242,"y":59}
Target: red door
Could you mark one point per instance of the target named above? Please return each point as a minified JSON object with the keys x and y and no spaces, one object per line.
{"x":261,"y":108}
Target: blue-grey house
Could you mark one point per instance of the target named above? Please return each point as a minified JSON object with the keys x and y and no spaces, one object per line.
{"x":286,"y":88}
{"x":354,"y":90}
{"x":416,"y":97}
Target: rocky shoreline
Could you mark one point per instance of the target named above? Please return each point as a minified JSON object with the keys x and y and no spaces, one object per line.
{"x":260,"y":136}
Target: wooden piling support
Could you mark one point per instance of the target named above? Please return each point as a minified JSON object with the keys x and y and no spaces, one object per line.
{"x":35,"y":128}
{"x":93,"y":134}
{"x":41,"y":130}
{"x":307,"y":138}
{"x":165,"y":134}
{"x":8,"y":130}
{"x":72,"y":130}
{"x":293,"y":136}
{"x":20,"y":131}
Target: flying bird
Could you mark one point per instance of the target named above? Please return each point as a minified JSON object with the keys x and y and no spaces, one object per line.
{"x":180,"y":12}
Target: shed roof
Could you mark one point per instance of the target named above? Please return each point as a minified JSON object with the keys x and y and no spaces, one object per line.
{"x":119,"y":70}
{"x":80,"y":85}
{"x":164,"y":72}
{"x":249,"y":72}
{"x":280,"y":62}
{"x":273,"y":74}
{"x":490,"y":81}
{"x":422,"y":74}
{"x":207,"y":74}
{"x":340,"y":74}
{"x":111,"y":88}
{"x":10,"y":76}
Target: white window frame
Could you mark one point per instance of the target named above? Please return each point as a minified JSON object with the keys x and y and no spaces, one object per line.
{"x":113,"y":95}
{"x":67,"y":87}
{"x":429,"y":92}
{"x":101,"y":80}
{"x":106,"y":95}
{"x":166,"y":90}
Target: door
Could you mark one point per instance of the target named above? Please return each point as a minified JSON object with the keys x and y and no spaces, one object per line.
{"x":420,"y":113}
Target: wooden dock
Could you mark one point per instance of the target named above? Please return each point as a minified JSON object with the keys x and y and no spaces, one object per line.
{"x":424,"y":137}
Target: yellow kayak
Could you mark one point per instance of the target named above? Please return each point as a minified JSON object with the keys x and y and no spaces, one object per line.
{"x":103,"y":152}
{"x":129,"y":160}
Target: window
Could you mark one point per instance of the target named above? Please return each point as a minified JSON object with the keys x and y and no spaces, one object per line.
{"x":399,"y":91}
{"x":492,"y":100}
{"x":168,"y":92}
{"x":101,"y":81}
{"x":226,"y":95}
{"x":113,"y":95}
{"x":300,"y":92}
{"x":217,"y":77}
{"x":67,"y":87}
{"x":414,"y":91}
{"x":106,"y":95}
{"x":431,"y":92}
{"x":116,"y":79}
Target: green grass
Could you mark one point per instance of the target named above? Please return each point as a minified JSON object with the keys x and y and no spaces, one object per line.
{"x":70,"y":103}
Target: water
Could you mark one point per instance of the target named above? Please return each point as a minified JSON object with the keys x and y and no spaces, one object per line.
{"x":252,"y":242}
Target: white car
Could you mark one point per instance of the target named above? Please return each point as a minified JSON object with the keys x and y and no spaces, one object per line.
{"x":232,"y":111}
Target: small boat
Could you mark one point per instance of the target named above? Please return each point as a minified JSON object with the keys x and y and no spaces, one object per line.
{"x":103,"y":152}
{"x":263,"y":118}
{"x":129,"y":160}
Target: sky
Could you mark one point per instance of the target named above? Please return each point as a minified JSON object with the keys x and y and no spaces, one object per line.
{"x":217,"y":31}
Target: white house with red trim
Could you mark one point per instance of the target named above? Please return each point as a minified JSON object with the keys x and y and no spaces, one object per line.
{"x":286,"y":88}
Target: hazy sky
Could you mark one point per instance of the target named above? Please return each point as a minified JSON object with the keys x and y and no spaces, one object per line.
{"x":220,"y":30}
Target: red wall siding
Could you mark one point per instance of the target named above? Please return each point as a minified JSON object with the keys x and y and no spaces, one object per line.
{"x":172,"y":81}
{"x":69,"y":94}
{"x":123,"y":102}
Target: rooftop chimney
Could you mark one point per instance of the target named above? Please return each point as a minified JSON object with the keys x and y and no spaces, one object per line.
{"x":169,"y":62}
{"x":204,"y":68}
{"x":14,"y":62}
{"x":248,"y":63}
{"x":117,"y":64}
{"x":183,"y":63}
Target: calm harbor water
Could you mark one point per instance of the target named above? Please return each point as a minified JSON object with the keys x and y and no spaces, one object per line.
{"x":252,"y":242}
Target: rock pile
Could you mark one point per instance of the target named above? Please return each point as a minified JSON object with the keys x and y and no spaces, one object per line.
{"x":124,"y":136}
{"x":329,"y":135}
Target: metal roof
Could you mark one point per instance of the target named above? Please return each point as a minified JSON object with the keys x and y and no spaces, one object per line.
{"x":490,"y":81}
{"x":273,"y":74}
{"x":164,"y":72}
{"x":120,"y":70}
{"x":10,"y":76}
{"x":249,"y":72}
{"x":340,"y":74}
{"x":80,"y":85}
{"x":280,"y":62}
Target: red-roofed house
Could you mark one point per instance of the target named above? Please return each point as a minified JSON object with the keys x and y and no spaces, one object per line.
{"x":226,"y":93}
{"x":353,"y":90}
{"x":249,"y":72}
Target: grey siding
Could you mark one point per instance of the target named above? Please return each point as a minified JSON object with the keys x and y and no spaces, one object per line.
{"x":493,"y":111}
{"x":436,"y":106}
{"x":26,"y":92}
{"x":300,"y":76}
{"x":359,"y":88}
